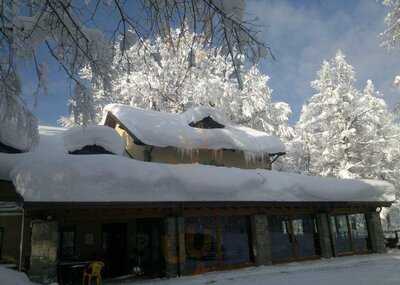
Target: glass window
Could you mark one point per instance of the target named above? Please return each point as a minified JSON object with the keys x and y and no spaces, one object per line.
{"x":298,"y":227}
{"x":213,"y":241}
{"x":281,"y":239}
{"x":235,"y":240}
{"x":200,"y":242}
{"x":305,"y":235}
{"x":67,"y":239}
{"x":340,"y":232}
{"x":359,"y":232}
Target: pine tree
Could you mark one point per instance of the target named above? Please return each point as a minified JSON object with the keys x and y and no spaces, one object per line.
{"x":348,"y":133}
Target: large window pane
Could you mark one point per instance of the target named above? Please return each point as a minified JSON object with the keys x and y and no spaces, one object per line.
{"x":359,"y":232}
{"x":340,"y":232}
{"x":201,"y":243}
{"x":281,"y":239}
{"x":303,"y":229}
{"x":235,"y":240}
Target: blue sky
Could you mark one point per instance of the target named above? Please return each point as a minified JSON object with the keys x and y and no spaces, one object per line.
{"x":302,"y":34}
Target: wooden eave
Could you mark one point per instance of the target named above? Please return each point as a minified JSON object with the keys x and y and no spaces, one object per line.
{"x":319,"y":206}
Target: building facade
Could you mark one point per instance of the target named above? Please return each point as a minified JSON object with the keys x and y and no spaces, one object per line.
{"x":146,"y":215}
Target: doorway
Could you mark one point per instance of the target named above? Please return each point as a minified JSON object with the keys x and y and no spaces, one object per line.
{"x":148,"y":247}
{"x":293,"y":238}
{"x":114,"y":249}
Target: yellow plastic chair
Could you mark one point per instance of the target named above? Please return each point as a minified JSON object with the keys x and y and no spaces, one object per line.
{"x":95,"y":268}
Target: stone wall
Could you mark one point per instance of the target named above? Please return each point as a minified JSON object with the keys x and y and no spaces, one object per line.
{"x":261,"y":243}
{"x":174,"y":246}
{"x":375,"y":232}
{"x":324,"y":235}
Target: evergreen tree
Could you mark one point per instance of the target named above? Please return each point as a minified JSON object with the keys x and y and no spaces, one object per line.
{"x":347,"y":133}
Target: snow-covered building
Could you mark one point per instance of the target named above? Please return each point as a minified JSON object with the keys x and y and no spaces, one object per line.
{"x":140,"y":197}
{"x":200,"y":135}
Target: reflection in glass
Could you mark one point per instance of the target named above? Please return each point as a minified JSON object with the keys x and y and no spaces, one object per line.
{"x":281,"y":239}
{"x":340,"y":232}
{"x":359,"y":232}
{"x":200,"y":242}
{"x":235,"y":240}
{"x":303,"y":230}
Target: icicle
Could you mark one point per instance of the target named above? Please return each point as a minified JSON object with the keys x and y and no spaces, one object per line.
{"x":255,"y":157}
{"x":193,"y":154}
{"x":217,"y":155}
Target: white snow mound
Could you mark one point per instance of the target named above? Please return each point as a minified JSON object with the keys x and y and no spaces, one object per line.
{"x":106,"y":137}
{"x":18,"y":127}
{"x":13,"y":277}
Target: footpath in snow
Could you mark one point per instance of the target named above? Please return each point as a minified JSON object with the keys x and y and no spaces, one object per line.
{"x":382,"y":269}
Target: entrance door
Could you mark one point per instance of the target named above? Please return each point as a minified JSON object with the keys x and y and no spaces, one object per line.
{"x":114,"y":248}
{"x":293,"y":238}
{"x":148,"y":245}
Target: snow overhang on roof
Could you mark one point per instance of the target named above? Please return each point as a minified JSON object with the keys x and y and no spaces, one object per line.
{"x":62,"y":177}
{"x":18,"y":126}
{"x":107,"y":178}
{"x":103,"y":136}
{"x":173,"y":130}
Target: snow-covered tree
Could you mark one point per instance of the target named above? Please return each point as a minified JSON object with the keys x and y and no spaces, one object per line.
{"x":175,"y":74}
{"x":391,"y":35}
{"x":74,"y":33}
{"x":81,"y":108}
{"x":348,"y":133}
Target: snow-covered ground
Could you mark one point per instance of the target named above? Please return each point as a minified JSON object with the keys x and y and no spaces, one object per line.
{"x":373,"y":269}
{"x":382,"y":269}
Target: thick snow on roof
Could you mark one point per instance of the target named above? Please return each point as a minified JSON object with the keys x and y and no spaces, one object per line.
{"x":168,"y":129}
{"x":62,"y":177}
{"x":106,"y":178}
{"x":18,"y":127}
{"x":106,"y":137}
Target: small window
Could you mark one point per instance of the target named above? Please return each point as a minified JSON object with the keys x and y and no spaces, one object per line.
{"x":67,"y":242}
{"x":207,"y":123}
{"x":91,"y":149}
{"x":298,"y":227}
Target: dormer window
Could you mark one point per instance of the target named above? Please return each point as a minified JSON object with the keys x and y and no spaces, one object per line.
{"x":91,"y":149}
{"x":207,"y":123}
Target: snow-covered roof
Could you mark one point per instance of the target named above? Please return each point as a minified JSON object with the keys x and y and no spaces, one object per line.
{"x":167,"y":129}
{"x":18,"y":127}
{"x":110,"y":178}
{"x":106,"y":137}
